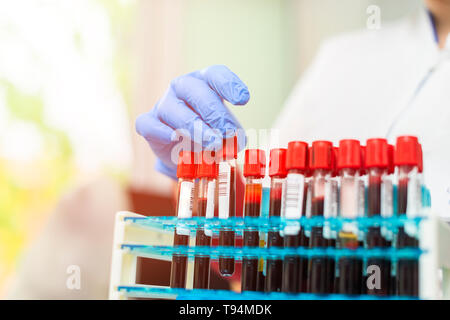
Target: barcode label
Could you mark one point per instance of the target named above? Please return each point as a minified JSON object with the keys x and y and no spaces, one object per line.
{"x":292,"y":204}
{"x":186,"y":200}
{"x":293,"y":196}
{"x":387,"y":206}
{"x":224,"y":190}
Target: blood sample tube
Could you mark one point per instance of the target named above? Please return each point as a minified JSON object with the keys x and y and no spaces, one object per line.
{"x":277,"y":173}
{"x":294,"y":199}
{"x":254,"y":171}
{"x":388,"y":233}
{"x":265,"y":205}
{"x":349,"y":166}
{"x":330,"y":210}
{"x":186,"y":180}
{"x":207,"y":174}
{"x":380,"y":203}
{"x":409,"y":202}
{"x":227,"y":200}
{"x":322,"y":165}
{"x":305,"y":241}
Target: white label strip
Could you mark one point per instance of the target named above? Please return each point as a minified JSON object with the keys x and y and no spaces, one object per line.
{"x":210,"y":199}
{"x":186,"y":200}
{"x":293,"y":196}
{"x":387,"y":205}
{"x":224,"y":190}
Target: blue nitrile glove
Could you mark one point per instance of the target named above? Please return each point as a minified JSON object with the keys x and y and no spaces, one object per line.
{"x":193,"y":103}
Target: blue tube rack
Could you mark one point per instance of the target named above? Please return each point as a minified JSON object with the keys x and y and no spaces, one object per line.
{"x":164,"y":226}
{"x":201,"y":294}
{"x":238,"y":224}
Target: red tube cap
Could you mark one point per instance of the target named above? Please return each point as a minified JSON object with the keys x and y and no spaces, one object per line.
{"x":297,"y":156}
{"x":277,"y":164}
{"x":377,"y":153}
{"x":229,"y":149}
{"x":322,"y":155}
{"x":407,"y":151}
{"x":310,"y":169}
{"x":207,"y":168}
{"x":335,"y":157}
{"x":363,"y":160}
{"x":391,"y":167}
{"x":255,"y":163}
{"x":349,"y":154}
{"x":186,"y":165}
{"x":420,"y":159}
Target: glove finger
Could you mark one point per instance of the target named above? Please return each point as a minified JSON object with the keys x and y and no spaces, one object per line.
{"x":187,"y":123}
{"x":206,"y":103}
{"x":225,"y":82}
{"x":152,"y":129}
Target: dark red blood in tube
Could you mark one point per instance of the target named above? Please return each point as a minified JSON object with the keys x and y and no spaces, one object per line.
{"x":201,"y":263}
{"x":226,"y":237}
{"x":179,"y":263}
{"x":407,"y":270}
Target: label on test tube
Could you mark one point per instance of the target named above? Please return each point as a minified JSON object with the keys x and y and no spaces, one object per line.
{"x":414,"y":204}
{"x":361,"y":207}
{"x":224,"y":190}
{"x":308,"y":207}
{"x":293,"y":201}
{"x":330,"y":208}
{"x":185,"y":203}
{"x":210,"y":205}
{"x":387,"y":207}
{"x":350,"y":202}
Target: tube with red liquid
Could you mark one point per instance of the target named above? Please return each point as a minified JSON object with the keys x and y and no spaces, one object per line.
{"x":409,"y":201}
{"x":320,"y":276}
{"x":277,"y":173}
{"x":294,"y":206}
{"x":207,"y":174}
{"x":186,"y":181}
{"x":330,"y":210}
{"x":305,"y":239}
{"x":227,"y":200}
{"x":254,"y":171}
{"x":380,"y":203}
{"x":351,"y":197}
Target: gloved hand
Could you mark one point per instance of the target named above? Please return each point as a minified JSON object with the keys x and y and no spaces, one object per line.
{"x":193,"y":107}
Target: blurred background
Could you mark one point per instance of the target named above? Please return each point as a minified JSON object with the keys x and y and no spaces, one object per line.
{"x":73,"y":77}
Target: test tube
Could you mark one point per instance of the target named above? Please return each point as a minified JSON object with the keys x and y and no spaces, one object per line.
{"x":254,"y":171}
{"x":207,"y":174}
{"x":322,"y":166}
{"x":277,"y":173}
{"x":186,"y":181}
{"x":389,"y":234}
{"x":294,"y":199}
{"x":305,"y":239}
{"x":409,"y":202}
{"x":379,"y":197}
{"x":351,"y":195}
{"x":227,"y":200}
{"x":265,"y":205}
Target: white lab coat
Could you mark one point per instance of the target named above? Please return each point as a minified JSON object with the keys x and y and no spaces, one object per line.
{"x":360,"y":82}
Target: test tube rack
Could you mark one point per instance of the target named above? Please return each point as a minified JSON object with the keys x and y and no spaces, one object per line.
{"x":140,"y":236}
